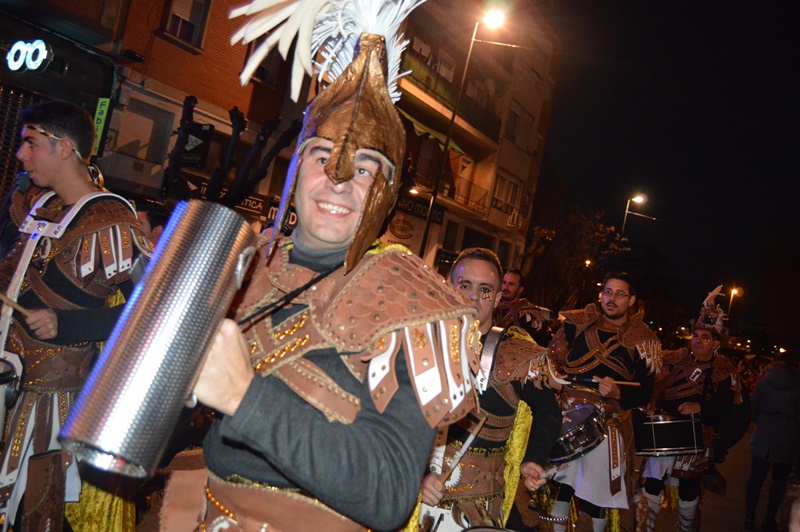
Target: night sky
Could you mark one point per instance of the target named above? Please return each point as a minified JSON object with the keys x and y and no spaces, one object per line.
{"x":694,"y":104}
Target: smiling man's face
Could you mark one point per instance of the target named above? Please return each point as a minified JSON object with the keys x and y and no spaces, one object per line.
{"x":328,"y":213}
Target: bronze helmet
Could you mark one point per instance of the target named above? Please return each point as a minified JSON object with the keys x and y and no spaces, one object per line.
{"x":355,"y":112}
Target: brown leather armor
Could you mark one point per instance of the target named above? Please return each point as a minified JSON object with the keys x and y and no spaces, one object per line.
{"x":634,"y":335}
{"x":367,"y":316}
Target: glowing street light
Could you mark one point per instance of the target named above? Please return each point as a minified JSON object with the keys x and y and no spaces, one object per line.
{"x":639,"y":198}
{"x":493,"y":18}
{"x":734,"y":292}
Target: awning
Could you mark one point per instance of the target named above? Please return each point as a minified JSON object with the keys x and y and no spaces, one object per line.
{"x":424,"y":131}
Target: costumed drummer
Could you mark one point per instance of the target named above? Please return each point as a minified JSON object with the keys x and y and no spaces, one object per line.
{"x":693,"y":381}
{"x":475,"y":489}
{"x":78,"y":247}
{"x":348,"y":353}
{"x":621,"y":355}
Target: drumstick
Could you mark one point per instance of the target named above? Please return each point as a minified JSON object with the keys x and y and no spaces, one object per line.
{"x":13,"y":304}
{"x":618,"y":383}
{"x":460,"y":454}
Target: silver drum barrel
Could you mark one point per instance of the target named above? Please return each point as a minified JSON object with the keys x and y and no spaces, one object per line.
{"x":131,"y":402}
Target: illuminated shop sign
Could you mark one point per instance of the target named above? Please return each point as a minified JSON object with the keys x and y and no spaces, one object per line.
{"x":29,"y":55}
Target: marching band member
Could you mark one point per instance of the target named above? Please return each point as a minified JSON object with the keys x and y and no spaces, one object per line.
{"x":694,"y":380}
{"x":476,"y":491}
{"x":620,"y":355}
{"x":77,"y":246}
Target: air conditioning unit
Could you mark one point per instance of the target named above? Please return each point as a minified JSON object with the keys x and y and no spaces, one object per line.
{"x":513,"y":219}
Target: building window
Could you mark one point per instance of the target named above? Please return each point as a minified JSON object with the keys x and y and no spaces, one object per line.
{"x":506,"y":195}
{"x":185,"y":20}
{"x":511,"y":125}
{"x":504,"y":253}
{"x":450,"y":236}
{"x":519,"y":127}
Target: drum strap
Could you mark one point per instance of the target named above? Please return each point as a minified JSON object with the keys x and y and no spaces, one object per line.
{"x":16,"y":282}
{"x":615,"y":458}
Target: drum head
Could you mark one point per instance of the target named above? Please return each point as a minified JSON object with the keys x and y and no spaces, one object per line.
{"x":575,"y":417}
{"x":7,"y":372}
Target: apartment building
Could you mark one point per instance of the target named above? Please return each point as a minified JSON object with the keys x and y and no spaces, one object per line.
{"x":133,"y":63}
{"x":486,"y":183}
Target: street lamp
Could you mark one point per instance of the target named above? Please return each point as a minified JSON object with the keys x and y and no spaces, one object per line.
{"x":493,"y":19}
{"x":734,"y":292}
{"x":639,"y":198}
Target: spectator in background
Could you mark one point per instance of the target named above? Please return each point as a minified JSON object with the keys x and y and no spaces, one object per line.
{"x":776,"y":413}
{"x":513,"y":309}
{"x":153,"y":216}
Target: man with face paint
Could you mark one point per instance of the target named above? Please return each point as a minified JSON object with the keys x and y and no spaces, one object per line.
{"x":77,"y":249}
{"x":610,"y":359}
{"x":474,"y":493}
{"x":345,"y":353}
{"x":694,"y":380}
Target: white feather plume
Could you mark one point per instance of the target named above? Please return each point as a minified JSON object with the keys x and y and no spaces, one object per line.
{"x":330,"y":27}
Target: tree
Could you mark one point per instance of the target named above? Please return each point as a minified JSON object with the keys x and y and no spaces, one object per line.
{"x":555,"y":264}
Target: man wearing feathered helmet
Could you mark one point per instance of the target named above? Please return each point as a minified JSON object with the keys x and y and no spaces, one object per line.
{"x":348,"y":354}
{"x":694,"y":381}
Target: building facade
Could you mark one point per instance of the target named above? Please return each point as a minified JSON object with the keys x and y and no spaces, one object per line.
{"x":486,"y":183}
{"x":133,"y":64}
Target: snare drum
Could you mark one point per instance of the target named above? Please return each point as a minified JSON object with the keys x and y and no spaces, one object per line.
{"x":664,"y":435}
{"x":582,"y":429}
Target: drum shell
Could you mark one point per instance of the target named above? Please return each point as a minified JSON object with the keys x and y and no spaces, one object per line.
{"x":576,"y":441}
{"x":123,"y":418}
{"x":665,"y":435}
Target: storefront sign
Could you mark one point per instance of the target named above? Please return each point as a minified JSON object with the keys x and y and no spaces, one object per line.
{"x":196,"y":150}
{"x":34,"y":55}
{"x":100,"y":115}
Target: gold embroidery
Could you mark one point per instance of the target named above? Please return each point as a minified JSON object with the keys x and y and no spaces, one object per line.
{"x":277,"y":355}
{"x":126,"y":239}
{"x":419,"y":339}
{"x":213,"y":500}
{"x":23,"y":418}
{"x":293,"y":329}
{"x":455,"y":344}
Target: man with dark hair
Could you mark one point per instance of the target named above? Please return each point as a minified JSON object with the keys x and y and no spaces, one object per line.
{"x":512,"y":309}
{"x":693,"y":381}
{"x":78,"y":248}
{"x":609,"y":360}
{"x":474,"y":494}
{"x":153,"y":215}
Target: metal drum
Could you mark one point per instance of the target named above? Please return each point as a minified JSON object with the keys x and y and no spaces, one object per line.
{"x":665,"y":435}
{"x":582,"y":429}
{"x":133,"y":398}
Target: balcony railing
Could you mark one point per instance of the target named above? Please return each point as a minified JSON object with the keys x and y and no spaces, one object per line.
{"x":446,"y":92}
{"x":459,"y":190}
